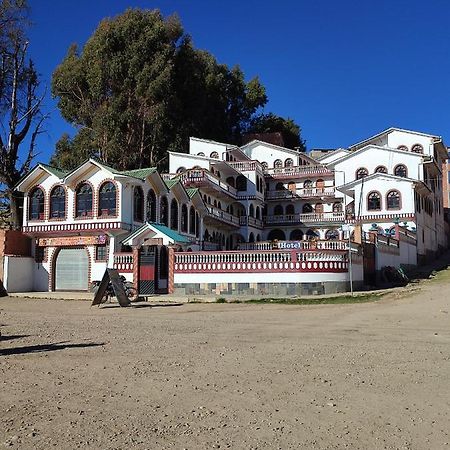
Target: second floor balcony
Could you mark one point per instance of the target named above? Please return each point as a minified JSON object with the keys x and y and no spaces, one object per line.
{"x":297,"y":172}
{"x":308,"y":218}
{"x":223,"y":216}
{"x":207,"y":181}
{"x":286,"y":194}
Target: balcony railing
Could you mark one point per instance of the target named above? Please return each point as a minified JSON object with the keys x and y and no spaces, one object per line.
{"x":223,"y":216}
{"x":245,"y":166}
{"x":305,"y":218}
{"x":300,"y":245}
{"x":123,"y":262}
{"x":200,"y":177}
{"x":304,"y":193}
{"x":298,"y":171}
{"x":250,"y":221}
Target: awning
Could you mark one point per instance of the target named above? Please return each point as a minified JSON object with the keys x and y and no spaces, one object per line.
{"x":155,"y":231}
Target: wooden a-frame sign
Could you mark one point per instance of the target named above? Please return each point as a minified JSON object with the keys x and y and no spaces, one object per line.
{"x":117,"y":285}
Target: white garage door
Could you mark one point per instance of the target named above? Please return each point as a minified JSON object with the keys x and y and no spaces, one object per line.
{"x":72,"y":270}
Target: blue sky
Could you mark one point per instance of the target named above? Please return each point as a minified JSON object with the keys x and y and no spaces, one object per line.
{"x":343,"y":70}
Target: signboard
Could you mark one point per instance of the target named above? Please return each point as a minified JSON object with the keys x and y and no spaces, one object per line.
{"x":71,"y":241}
{"x":289,"y":245}
{"x":111,"y":276}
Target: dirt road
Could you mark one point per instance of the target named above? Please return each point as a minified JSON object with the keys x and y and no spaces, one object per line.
{"x":204,"y":376}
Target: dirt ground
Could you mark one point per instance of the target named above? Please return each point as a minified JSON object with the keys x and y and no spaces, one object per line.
{"x":203,"y":376}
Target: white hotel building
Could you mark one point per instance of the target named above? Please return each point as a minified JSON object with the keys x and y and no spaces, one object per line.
{"x":230,"y":219}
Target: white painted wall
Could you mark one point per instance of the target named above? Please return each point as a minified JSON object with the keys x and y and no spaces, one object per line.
{"x":18,"y":273}
{"x":267,"y":153}
{"x":278,"y":277}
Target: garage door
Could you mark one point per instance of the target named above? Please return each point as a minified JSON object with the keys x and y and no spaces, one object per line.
{"x":71,"y":271}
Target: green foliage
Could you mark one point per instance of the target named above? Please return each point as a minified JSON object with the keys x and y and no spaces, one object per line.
{"x":270,"y":123}
{"x":139,"y":88}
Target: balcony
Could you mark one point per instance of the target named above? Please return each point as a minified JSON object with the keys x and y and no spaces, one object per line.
{"x":203,"y":179}
{"x":297,"y":172}
{"x":222,"y":216}
{"x":310,"y":218}
{"x":250,"y":221}
{"x":286,"y":194}
{"x":244,"y":166}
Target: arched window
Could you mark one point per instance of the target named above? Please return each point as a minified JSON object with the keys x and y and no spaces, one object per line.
{"x":278,"y":210}
{"x":279,"y":187}
{"x":278,"y":164}
{"x":361,"y":173}
{"x":251,"y":210}
{"x":290,"y":210}
{"x":36,"y":210}
{"x":402,"y":147}
{"x":200,"y":154}
{"x":373,"y":201}
{"x":318,"y":208}
{"x":332,"y":235}
{"x":380,"y":169}
{"x":192,"y":220}
{"x":181,"y":169}
{"x":151,"y":206}
{"x":184,"y":218}
{"x":138,"y":204}
{"x":58,"y":202}
{"x":337,"y":207}
{"x":417,"y":148}
{"x":164,"y":211}
{"x":214,"y":155}
{"x":393,"y":200}
{"x":83,"y":195}
{"x":296,"y":235}
{"x":307,"y":208}
{"x":264,"y":165}
{"x":289,"y":162}
{"x":251,"y":238}
{"x":307,"y":184}
{"x":174,"y":214}
{"x":241,"y":183}
{"x":258,"y":216}
{"x":401,"y":171}
{"x":107,"y":199}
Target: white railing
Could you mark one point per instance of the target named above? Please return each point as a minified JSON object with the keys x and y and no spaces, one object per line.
{"x":306,"y":218}
{"x":217,"y":213}
{"x":201,"y":177}
{"x":307,"y":192}
{"x":250,"y":221}
{"x":244,"y":166}
{"x":300,"y":245}
{"x":123,"y":262}
{"x":284,"y":172}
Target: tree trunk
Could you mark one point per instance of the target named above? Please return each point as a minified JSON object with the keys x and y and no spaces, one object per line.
{"x":16,"y":208}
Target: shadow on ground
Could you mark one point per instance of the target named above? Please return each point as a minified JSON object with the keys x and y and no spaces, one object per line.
{"x":11,"y":337}
{"x":139,"y":305}
{"x":45,"y":348}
